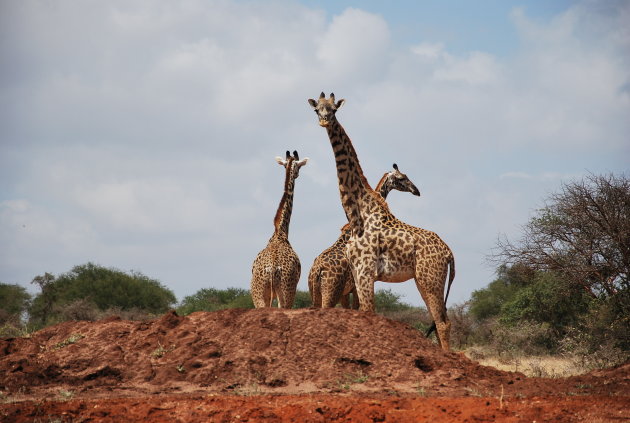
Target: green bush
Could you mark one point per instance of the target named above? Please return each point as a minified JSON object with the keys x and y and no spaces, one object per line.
{"x":14,"y":302}
{"x":92,"y":286}
{"x":212,"y":299}
{"x":387,"y":301}
{"x":548,"y":300}
{"x":540,"y":305}
{"x":488,"y":302}
{"x":302,"y":300}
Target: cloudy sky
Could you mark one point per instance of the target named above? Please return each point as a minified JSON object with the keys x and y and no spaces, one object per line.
{"x":141,"y":135}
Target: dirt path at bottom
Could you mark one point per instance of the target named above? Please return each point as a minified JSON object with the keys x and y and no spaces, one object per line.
{"x":321,"y":408}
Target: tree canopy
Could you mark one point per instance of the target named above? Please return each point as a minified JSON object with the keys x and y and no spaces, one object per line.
{"x":578,"y":249}
{"x":106,"y":288}
{"x":582,"y":233}
{"x":14,"y":301}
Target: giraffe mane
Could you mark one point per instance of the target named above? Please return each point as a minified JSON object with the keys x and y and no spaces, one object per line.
{"x":278,"y":217}
{"x":377,"y":197}
{"x":381,"y":182}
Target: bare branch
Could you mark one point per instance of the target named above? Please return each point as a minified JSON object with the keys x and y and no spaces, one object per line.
{"x":582,"y":233}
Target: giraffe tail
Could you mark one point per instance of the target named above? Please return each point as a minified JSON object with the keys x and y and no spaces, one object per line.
{"x":451,"y":276}
{"x":276,"y":276}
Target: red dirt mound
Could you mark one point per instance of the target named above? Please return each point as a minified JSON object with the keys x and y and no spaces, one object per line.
{"x":264,"y":351}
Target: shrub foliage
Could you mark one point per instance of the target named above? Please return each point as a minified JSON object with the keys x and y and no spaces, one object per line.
{"x":103,"y":288}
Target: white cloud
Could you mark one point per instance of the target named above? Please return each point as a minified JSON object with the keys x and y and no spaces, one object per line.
{"x":354,"y":48}
{"x":477,"y":68}
{"x":474,"y":69}
{"x":429,"y":51}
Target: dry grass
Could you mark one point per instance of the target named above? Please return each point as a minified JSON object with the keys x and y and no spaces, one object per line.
{"x":532,"y":366}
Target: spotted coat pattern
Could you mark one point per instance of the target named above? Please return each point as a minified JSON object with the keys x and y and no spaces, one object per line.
{"x":380,"y":246}
{"x":330,"y":278}
{"x":276,"y":269}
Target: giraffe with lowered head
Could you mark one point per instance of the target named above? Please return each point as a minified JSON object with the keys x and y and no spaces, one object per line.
{"x":380,"y":246}
{"x":276,"y":269}
{"x":330,"y":278}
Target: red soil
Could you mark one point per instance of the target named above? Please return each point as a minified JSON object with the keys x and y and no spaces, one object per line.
{"x":278,"y":365}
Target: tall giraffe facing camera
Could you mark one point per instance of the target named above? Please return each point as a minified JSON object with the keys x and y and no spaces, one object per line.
{"x":380,"y":246}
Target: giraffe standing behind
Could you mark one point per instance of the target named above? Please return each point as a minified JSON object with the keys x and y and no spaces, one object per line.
{"x":330,"y":278}
{"x":276,"y":269}
{"x":380,"y":246}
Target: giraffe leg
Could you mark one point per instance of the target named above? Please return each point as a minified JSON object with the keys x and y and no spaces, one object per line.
{"x":436,"y":307}
{"x":345,"y":301}
{"x":347,"y":290}
{"x":351,"y":289}
{"x":364,"y":283}
{"x":288,"y":285}
{"x":363,"y":267}
{"x":261,"y":291}
{"x":355,"y":299}
{"x":430,"y":284}
{"x":332,"y":288}
{"x":315,"y":285}
{"x":289,"y":297}
{"x":365,"y":291}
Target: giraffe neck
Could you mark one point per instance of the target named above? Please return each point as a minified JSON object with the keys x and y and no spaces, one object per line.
{"x":383,"y":187}
{"x":353,"y":187}
{"x":283,"y":215}
{"x":343,"y":237}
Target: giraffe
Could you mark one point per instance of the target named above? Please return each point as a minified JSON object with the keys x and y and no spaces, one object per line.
{"x":276,"y":269}
{"x":330,"y":278}
{"x":380,"y":246}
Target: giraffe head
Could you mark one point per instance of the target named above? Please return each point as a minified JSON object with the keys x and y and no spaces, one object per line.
{"x":292,"y":163}
{"x":326,"y":108}
{"x":397,"y":180}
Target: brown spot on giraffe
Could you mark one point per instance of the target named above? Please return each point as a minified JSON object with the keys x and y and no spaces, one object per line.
{"x":380,"y":246}
{"x":276,"y":269}
{"x":330,"y":278}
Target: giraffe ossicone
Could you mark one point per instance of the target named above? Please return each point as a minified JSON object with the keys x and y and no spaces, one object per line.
{"x":381,"y":247}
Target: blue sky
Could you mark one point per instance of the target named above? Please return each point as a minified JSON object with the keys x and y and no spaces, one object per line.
{"x":462,"y":25}
{"x":141,"y":135}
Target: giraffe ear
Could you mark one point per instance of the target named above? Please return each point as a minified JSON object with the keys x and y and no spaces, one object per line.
{"x":312,"y":102}
{"x":339,"y":104}
{"x":302,"y":162}
{"x":281,"y":161}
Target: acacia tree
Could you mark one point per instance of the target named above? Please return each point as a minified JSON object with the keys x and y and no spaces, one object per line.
{"x":582,"y":233}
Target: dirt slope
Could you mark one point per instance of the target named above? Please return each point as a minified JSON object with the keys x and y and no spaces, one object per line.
{"x":265,"y":351}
